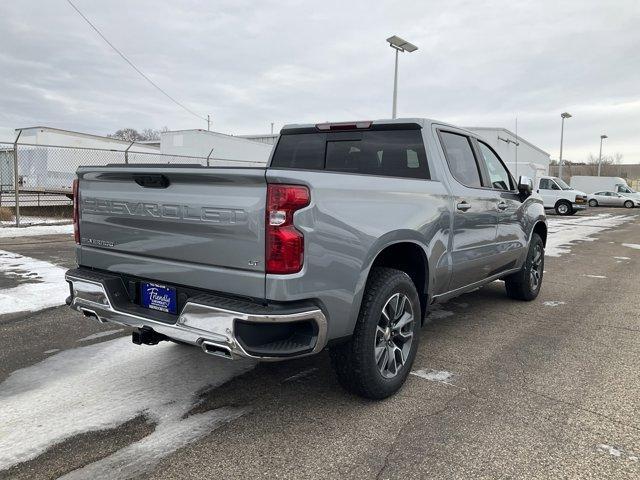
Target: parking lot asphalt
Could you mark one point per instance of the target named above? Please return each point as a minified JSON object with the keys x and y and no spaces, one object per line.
{"x":500,"y":389}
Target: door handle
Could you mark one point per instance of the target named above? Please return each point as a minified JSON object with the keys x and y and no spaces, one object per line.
{"x":503,"y":206}
{"x":463,"y":206}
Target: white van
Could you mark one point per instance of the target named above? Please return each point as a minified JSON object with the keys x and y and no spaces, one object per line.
{"x":592,"y":184}
{"x":557,"y":195}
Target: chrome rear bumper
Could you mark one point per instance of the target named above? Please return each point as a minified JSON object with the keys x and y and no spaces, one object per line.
{"x":200,"y":322}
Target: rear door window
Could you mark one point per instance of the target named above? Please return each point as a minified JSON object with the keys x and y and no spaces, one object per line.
{"x":394,"y":153}
{"x":461,"y":159}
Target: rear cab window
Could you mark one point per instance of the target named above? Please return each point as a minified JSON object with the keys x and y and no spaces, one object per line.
{"x":461,"y":159}
{"x":393,"y":153}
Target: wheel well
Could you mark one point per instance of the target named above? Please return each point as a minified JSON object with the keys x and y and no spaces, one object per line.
{"x":411,"y":259}
{"x":541,"y":229}
{"x":563,"y":200}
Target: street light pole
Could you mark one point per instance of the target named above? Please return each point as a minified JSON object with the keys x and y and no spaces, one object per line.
{"x":395,"y":88}
{"x":399,"y":45}
{"x":563,"y":115}
{"x":602,"y":137}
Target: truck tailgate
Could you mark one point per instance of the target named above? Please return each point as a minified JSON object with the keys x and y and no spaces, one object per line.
{"x":202,"y":227}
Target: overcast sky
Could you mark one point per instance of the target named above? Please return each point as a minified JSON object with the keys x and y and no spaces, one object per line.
{"x":250,"y":63}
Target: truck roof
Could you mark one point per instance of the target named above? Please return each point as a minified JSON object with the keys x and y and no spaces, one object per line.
{"x":423,"y":122}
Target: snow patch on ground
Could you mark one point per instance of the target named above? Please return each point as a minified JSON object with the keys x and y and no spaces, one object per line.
{"x":104,"y":385}
{"x":563,"y":232}
{"x":45,"y":288}
{"x":35,"y":230}
{"x":622,"y":258}
{"x":617,"y":452}
{"x":53,"y":350}
{"x":553,"y":303}
{"x":631,"y":245}
{"x":100,"y":335}
{"x":441,"y":376}
{"x":594,"y":276}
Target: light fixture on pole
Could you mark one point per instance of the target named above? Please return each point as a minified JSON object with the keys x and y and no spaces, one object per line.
{"x":399,"y":45}
{"x":602,"y":137}
{"x":563,"y":115}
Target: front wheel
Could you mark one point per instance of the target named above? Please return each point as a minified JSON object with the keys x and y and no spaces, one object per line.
{"x":375,"y":362}
{"x":593,"y":203}
{"x":563,"y":208}
{"x":526,"y":283}
{"x":628,"y":204}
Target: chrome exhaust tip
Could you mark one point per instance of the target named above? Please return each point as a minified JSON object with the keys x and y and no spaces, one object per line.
{"x":217,"y":349}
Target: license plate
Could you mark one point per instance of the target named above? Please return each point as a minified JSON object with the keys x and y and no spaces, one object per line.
{"x":158,"y":297}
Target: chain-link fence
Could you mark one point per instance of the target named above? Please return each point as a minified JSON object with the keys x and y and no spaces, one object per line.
{"x":36,"y":180}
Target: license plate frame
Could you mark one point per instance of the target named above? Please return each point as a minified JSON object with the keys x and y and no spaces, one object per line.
{"x":161,"y":298}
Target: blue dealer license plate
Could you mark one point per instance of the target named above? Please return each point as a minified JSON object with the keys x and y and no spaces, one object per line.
{"x":158,"y":297}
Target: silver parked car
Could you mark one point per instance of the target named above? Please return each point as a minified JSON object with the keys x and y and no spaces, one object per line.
{"x":612,"y":199}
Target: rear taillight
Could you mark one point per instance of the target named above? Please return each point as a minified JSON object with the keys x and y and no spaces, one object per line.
{"x":76,"y":212}
{"x":285,"y":244}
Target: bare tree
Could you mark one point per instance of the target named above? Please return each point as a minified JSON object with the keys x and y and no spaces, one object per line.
{"x":132,"y":135}
{"x":610,"y":165}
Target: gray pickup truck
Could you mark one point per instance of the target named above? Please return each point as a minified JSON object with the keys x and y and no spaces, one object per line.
{"x":342,"y":242}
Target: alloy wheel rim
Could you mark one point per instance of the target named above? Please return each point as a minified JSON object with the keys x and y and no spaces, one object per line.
{"x":563,"y":208}
{"x":394,"y":335}
{"x":535,"y":271}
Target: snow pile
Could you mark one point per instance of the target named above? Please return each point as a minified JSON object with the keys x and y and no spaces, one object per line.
{"x":44,"y":284}
{"x":441,"y":376}
{"x":105,"y":385}
{"x":553,"y":303}
{"x":35,"y":230}
{"x":563,"y":232}
{"x":631,"y":245}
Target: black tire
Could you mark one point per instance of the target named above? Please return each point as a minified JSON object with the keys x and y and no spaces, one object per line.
{"x":355,"y":361}
{"x":521,"y":285}
{"x":563,"y":207}
{"x":593,"y":203}
{"x":628,"y":204}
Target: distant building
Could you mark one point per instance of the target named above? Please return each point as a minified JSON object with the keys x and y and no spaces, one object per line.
{"x":67,"y":138}
{"x":529,"y":157}
{"x":202,"y":143}
{"x":49,"y":157}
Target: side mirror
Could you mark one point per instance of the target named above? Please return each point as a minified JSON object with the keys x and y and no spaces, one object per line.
{"x":525,"y":185}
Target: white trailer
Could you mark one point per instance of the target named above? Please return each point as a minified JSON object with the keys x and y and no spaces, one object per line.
{"x":518,"y":153}
{"x":221,"y":147}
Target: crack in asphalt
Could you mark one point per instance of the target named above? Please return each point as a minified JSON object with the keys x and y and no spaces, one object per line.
{"x":391,"y":448}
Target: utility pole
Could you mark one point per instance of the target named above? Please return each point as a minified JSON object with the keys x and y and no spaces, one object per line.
{"x":208,"y":122}
{"x":271,"y":128}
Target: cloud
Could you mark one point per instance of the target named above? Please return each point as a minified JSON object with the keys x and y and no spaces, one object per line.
{"x":252,"y":63}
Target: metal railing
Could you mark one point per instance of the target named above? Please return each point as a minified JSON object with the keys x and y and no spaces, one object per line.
{"x":36,"y":180}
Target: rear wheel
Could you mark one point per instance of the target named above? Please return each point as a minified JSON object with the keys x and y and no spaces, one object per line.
{"x":593,"y":203}
{"x":563,"y":208}
{"x":526,"y":283}
{"x":628,"y":204}
{"x":375,"y":362}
